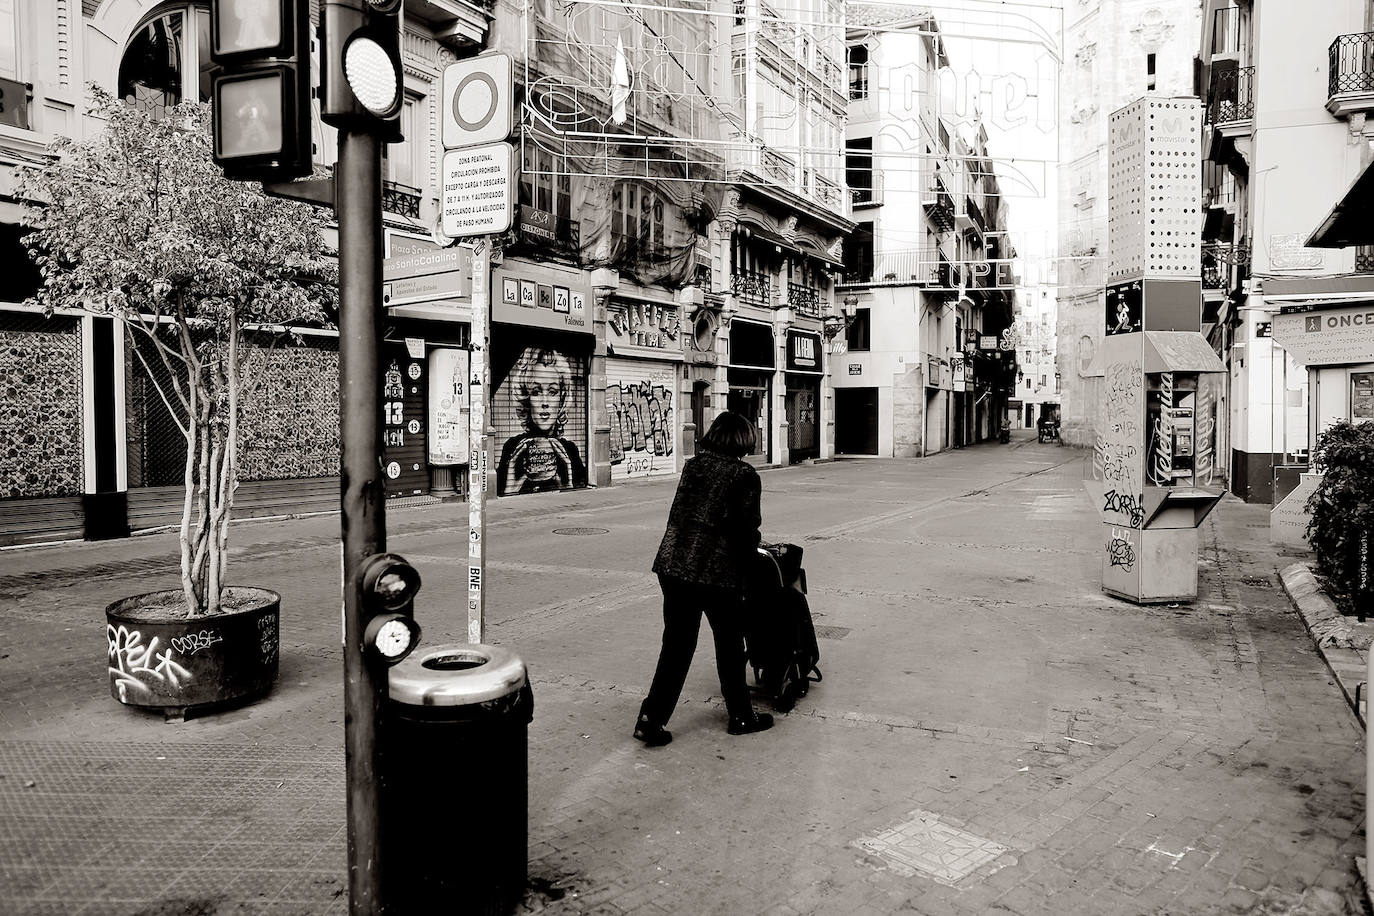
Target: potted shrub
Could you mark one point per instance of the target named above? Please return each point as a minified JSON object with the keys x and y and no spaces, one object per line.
{"x":137,"y":223}
{"x":1341,"y":527}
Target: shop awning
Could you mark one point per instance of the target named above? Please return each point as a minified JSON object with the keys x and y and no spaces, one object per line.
{"x":1179,"y":351}
{"x":1348,"y":223}
{"x":770,"y":237}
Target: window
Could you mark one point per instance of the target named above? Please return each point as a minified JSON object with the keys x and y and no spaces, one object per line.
{"x":858,"y":71}
{"x":1150,"y":71}
{"x":857,"y":334}
{"x":637,"y":215}
{"x":545,"y":183}
{"x":404,"y":161}
{"x":739,"y":71}
{"x":9,"y":40}
{"x":163,"y":55}
{"x":858,"y":253}
{"x":858,"y":168}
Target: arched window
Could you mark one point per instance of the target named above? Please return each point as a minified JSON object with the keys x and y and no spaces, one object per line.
{"x":167,"y":59}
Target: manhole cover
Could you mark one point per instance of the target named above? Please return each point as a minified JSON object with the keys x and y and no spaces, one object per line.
{"x":825,"y":632}
{"x":576,"y":532}
{"x":1257,"y":581}
{"x":931,"y":847}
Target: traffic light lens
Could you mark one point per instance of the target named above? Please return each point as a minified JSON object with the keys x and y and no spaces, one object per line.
{"x":392,"y":587}
{"x":247,"y":25}
{"x":371,"y":75}
{"x":250,"y":116}
{"x":393,"y":639}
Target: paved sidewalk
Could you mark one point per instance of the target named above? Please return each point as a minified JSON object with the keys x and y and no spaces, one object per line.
{"x":993,"y":733}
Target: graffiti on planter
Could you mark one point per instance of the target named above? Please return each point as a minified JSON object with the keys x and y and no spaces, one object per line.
{"x":267,"y":637}
{"x":133,"y":664}
{"x":1120,"y":552}
{"x":641,"y":415}
{"x":192,"y":643}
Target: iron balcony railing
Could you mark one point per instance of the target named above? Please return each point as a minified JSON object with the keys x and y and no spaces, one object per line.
{"x":871,"y":195}
{"x":752,"y":287}
{"x":401,"y":199}
{"x":804,"y":300}
{"x":1351,"y":60}
{"x":1232,"y":98}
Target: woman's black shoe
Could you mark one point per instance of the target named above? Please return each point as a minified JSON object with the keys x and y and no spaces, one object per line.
{"x":651,"y":734}
{"x":747,"y":725}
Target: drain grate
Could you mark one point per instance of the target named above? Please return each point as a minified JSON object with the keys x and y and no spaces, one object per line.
{"x":825,"y":632}
{"x":581,"y":532}
{"x":1257,"y":581}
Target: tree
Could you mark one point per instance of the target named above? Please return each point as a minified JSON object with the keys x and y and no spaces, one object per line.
{"x":137,"y":223}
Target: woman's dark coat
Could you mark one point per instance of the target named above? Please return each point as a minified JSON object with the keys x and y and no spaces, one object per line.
{"x":713,"y":526}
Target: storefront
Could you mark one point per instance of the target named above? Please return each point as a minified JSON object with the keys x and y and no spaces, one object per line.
{"x":541,"y":348}
{"x":749,"y":374}
{"x":644,"y":355}
{"x":428,"y":294}
{"x":803,"y":400}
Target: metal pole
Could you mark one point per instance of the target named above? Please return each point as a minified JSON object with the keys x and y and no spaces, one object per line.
{"x":480,"y":369}
{"x":359,"y":212}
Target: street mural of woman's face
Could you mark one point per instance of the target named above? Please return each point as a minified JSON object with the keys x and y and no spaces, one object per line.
{"x":543,"y":378}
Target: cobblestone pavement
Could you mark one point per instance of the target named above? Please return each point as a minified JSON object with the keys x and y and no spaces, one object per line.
{"x":993,"y":733}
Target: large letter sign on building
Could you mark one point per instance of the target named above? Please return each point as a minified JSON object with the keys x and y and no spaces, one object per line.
{"x":1154,"y":452}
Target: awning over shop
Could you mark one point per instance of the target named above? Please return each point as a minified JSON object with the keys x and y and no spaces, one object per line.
{"x":1348,"y":223}
{"x":771,"y":237}
{"x":1179,"y":351}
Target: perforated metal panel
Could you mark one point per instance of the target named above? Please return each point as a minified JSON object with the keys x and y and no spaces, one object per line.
{"x":1154,"y":185}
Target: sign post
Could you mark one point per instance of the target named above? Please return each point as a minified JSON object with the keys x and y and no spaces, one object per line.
{"x":479,"y":202}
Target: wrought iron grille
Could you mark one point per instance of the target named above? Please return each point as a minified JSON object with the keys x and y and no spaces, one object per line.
{"x":400,"y":199}
{"x":752,"y":287}
{"x":804,"y":300}
{"x":41,"y":425}
{"x":1232,"y":98}
{"x":1351,"y":64}
{"x":1364,"y":259}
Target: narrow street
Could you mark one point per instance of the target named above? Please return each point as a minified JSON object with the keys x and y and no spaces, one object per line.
{"x":993,"y":734}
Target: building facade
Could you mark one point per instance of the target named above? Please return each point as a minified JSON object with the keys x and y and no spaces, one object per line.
{"x":640,"y":291}
{"x":1283,"y":147}
{"x":927,"y":266}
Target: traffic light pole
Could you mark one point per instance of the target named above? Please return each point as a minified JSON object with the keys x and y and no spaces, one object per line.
{"x":358,"y":208}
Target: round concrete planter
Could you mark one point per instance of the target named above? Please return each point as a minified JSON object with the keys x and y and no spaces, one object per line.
{"x":181,"y":664}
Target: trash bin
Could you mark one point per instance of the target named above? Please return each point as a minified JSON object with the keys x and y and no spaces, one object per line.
{"x":452,"y":773}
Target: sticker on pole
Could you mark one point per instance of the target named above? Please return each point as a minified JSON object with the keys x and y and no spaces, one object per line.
{"x":479,"y":192}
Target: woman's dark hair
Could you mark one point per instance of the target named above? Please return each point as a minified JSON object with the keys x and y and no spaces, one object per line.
{"x":730,"y":435}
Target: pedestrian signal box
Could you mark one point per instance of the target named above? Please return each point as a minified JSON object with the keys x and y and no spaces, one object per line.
{"x":260,"y":97}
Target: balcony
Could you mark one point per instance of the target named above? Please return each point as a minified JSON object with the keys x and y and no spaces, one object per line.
{"x":401,"y":199}
{"x":921,"y":266}
{"x":1231,"y":101}
{"x":804,"y":300}
{"x":752,"y":288}
{"x":868,"y":196}
{"x":939,"y":205}
{"x":1350,"y":75}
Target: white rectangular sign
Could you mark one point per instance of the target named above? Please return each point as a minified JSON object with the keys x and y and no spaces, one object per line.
{"x":479,"y":190}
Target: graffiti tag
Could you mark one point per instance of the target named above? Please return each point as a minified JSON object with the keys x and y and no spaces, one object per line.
{"x":1125,"y":504}
{"x":267,"y":638}
{"x":641,"y":415}
{"x":130,"y":661}
{"x":192,"y":643}
{"x":1120,"y":553}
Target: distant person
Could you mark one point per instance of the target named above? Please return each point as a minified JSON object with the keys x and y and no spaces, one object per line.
{"x":540,"y":458}
{"x":711,"y":540}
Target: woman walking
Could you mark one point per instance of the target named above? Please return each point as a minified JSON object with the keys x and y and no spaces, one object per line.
{"x":712,"y":536}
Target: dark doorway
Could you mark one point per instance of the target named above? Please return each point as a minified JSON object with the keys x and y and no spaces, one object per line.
{"x":856,"y":421}
{"x":700,"y":395}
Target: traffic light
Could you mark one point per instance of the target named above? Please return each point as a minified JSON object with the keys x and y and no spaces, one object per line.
{"x":389,"y":585}
{"x":361,"y":82}
{"x":260,"y":97}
